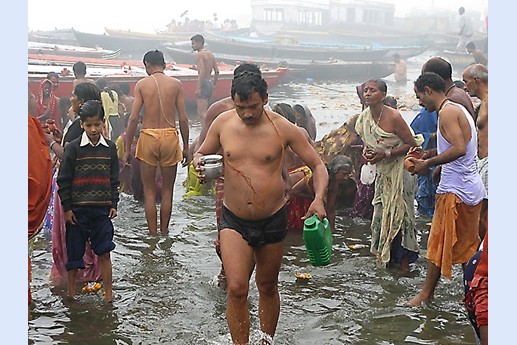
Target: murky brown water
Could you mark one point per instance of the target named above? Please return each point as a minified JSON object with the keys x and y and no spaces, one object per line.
{"x":165,"y":286}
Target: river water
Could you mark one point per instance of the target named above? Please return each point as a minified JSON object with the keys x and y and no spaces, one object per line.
{"x":165,"y":286}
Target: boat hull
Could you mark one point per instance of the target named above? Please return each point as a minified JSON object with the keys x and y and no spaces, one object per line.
{"x":459,"y":61}
{"x":123,"y":74}
{"x":219,"y":44}
{"x":127,"y":45}
{"x":300,"y":68}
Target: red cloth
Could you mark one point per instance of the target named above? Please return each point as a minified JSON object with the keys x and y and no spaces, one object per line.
{"x":297,"y":208}
{"x":479,"y":287}
{"x":39,"y":176}
{"x":482,"y":269}
{"x":476,"y":299}
{"x":39,"y":181}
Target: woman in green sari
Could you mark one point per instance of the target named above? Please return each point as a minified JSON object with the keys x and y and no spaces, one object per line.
{"x":387,"y":138}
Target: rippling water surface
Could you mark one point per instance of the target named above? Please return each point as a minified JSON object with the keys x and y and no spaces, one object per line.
{"x":165,"y":286}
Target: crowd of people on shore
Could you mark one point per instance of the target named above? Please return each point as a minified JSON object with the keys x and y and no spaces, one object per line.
{"x":275,"y":175}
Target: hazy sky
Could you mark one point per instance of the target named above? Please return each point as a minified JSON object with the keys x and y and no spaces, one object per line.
{"x":148,"y":16}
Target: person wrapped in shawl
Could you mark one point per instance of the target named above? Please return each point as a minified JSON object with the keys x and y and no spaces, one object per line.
{"x":345,"y":141}
{"x":47,"y":104}
{"x":387,"y":138}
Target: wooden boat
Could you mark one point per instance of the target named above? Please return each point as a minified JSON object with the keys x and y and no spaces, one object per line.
{"x":459,"y":61}
{"x":405,"y":43}
{"x":69,"y":50}
{"x":57,"y":36}
{"x":168,"y":36}
{"x":405,"y":52}
{"x":300,"y":68}
{"x":127,"y":45}
{"x":130,"y":72}
{"x":236,"y":45}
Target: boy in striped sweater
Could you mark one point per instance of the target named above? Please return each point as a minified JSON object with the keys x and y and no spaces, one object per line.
{"x":89,"y":190}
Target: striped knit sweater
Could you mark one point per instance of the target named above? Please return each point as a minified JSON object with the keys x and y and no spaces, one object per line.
{"x":88,"y":175}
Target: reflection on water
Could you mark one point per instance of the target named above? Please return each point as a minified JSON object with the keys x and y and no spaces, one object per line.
{"x":166,"y":293}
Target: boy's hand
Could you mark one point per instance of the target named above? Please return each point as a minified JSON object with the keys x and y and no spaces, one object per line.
{"x":70,"y":217}
{"x":113,"y":213}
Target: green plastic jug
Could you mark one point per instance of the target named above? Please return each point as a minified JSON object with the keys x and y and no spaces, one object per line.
{"x":317,"y":237}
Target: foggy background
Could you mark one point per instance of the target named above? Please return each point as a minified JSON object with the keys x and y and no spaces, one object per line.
{"x":149,"y":16}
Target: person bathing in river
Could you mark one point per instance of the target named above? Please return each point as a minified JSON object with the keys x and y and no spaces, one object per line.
{"x":387,"y":138}
{"x":254,"y":219}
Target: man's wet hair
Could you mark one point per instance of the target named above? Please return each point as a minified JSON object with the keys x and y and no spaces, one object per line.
{"x":198,"y":38}
{"x":430,"y":79}
{"x":154,"y":58}
{"x":439,"y":66}
{"x":91,"y":108}
{"x":248,"y":82}
{"x":250,"y":67}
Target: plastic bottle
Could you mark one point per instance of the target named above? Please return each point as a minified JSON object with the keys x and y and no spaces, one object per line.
{"x":317,"y":237}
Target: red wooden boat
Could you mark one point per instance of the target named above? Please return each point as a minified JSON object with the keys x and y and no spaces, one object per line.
{"x":130,"y":71}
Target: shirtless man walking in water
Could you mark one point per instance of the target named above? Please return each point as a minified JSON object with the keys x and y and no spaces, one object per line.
{"x":158,"y":144}
{"x":254,"y":216}
{"x":205,"y":63}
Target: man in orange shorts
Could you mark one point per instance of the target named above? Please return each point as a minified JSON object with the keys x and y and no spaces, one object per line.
{"x":454,"y":237}
{"x":158,"y":144}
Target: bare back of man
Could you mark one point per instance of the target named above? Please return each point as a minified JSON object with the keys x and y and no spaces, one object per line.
{"x":158,"y":144}
{"x":81,"y":80}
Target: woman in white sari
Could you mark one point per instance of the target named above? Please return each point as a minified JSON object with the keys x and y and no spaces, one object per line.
{"x":387,"y":138}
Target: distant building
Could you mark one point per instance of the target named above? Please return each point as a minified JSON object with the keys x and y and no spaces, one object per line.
{"x":273,"y":15}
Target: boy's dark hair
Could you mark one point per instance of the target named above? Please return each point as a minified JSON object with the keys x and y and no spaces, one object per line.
{"x":431,"y":80}
{"x":198,"y":38}
{"x":248,"y":82}
{"x":154,"y":58}
{"x":90,"y":109}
